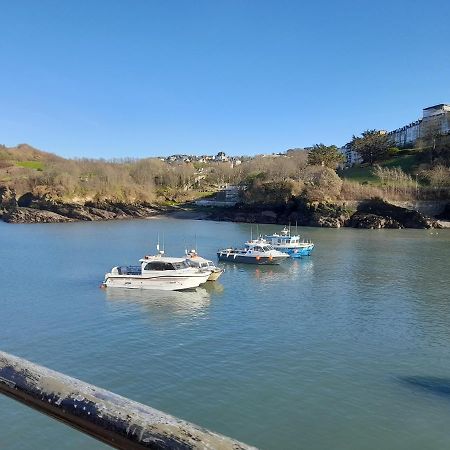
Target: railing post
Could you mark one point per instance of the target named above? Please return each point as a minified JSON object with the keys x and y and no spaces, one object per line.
{"x":115,"y":420}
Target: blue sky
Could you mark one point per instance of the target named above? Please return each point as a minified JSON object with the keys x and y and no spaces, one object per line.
{"x":141,"y":78}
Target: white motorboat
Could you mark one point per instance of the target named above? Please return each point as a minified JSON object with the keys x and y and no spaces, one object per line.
{"x":194,"y":260}
{"x":157,"y":272}
{"x":254,"y":252}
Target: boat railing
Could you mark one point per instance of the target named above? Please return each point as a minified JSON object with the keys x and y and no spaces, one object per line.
{"x":108,"y":417}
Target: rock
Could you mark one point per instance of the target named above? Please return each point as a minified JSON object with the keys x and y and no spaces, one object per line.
{"x":372,"y":221}
{"x":26,"y":200}
{"x":269,"y":217}
{"x":7,"y":198}
{"x":396,"y":217}
{"x":445,"y":214}
{"x":328,"y":222}
{"x":31,"y":215}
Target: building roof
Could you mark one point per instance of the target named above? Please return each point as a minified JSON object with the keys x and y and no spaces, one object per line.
{"x":436,"y":106}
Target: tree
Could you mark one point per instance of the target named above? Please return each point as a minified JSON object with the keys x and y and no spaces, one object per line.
{"x":325,"y":155}
{"x":433,"y":139}
{"x":372,"y":145}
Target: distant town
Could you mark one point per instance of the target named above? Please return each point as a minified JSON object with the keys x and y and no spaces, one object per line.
{"x":435,"y":119}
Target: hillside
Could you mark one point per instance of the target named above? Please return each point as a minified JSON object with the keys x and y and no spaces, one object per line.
{"x":364,"y":173}
{"x":25,"y":152}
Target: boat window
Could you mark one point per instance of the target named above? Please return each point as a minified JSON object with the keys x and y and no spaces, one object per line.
{"x":180,"y":265}
{"x":159,"y":265}
{"x":257,"y":249}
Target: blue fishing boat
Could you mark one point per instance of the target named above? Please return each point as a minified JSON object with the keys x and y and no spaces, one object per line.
{"x":293,"y":245}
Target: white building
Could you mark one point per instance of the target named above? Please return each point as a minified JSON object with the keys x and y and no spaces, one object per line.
{"x":351,"y":157}
{"x":436,"y":118}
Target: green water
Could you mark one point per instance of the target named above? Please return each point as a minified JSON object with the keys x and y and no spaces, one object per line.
{"x":311,"y":354}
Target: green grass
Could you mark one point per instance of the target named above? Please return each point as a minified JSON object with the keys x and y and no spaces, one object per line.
{"x":36,"y":165}
{"x":406,"y":163}
{"x":364,"y":172}
{"x":359,"y":174}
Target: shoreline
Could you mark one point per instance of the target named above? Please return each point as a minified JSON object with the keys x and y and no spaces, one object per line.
{"x":369,"y":214}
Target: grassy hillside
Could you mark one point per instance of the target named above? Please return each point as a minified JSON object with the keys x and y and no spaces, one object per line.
{"x":25,"y":153}
{"x":364,"y":173}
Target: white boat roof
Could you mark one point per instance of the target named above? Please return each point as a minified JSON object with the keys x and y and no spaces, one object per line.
{"x":168,"y":259}
{"x":198,"y":258}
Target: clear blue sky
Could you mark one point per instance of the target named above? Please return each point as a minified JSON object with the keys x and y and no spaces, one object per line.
{"x":141,"y":78}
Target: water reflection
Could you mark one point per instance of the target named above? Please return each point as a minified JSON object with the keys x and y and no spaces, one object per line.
{"x":436,"y":385}
{"x":163,"y":304}
{"x":291,"y":269}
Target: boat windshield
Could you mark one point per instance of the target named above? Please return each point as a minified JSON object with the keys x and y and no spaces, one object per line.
{"x":161,"y":265}
{"x":267,"y":248}
{"x":180,"y":265}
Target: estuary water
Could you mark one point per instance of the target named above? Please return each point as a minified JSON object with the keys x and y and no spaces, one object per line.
{"x":348,"y":349}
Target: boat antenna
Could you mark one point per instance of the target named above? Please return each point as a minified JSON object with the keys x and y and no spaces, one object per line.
{"x":195,"y":235}
{"x":257,"y":231}
{"x":163,"y":246}
{"x":289,"y":228}
{"x":296,"y":227}
{"x":251,"y":233}
{"x":157,"y":244}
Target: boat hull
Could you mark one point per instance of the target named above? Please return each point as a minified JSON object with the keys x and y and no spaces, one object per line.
{"x":215,"y":275}
{"x":259,"y":260}
{"x":296,"y":252}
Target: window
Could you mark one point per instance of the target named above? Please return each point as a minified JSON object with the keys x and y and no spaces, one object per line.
{"x":159,"y":265}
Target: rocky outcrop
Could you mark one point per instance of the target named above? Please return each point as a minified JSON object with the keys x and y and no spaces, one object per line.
{"x":445,"y":214}
{"x":376,"y":213}
{"x":30,"y":215}
{"x":318,"y":214}
{"x":33,"y":209}
{"x":370,"y":214}
{"x":372,"y":221}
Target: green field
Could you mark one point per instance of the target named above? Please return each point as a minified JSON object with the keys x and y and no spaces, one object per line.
{"x":37,"y":165}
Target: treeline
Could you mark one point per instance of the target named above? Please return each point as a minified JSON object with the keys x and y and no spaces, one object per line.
{"x":267,"y":179}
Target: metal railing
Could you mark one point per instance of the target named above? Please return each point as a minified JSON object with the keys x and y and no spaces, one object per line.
{"x":108,"y":417}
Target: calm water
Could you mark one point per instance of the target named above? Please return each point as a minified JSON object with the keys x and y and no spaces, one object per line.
{"x":310,"y":354}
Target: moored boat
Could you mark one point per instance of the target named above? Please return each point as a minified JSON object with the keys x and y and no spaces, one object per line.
{"x":157,"y":272}
{"x":254,"y":252}
{"x":194,"y":260}
{"x":293,"y":245}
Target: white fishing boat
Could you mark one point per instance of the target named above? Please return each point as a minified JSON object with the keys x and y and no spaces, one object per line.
{"x":157,"y":272}
{"x":194,"y":260}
